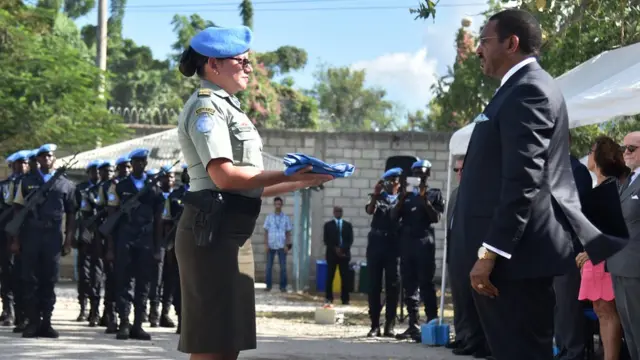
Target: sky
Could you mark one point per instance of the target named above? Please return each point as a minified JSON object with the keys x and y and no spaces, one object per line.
{"x":401,"y":55}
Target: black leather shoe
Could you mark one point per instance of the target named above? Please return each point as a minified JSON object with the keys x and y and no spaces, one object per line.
{"x":166,"y":322}
{"x":31,"y":331}
{"x":375,"y":331}
{"x":455,"y":345}
{"x":124,"y":333}
{"x":138,"y":333}
{"x":465,"y":351}
{"x":412,"y":333}
{"x":389,"y":330}
{"x":47,"y":331}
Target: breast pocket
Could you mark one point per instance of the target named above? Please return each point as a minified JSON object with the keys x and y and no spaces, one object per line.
{"x":246,"y":144}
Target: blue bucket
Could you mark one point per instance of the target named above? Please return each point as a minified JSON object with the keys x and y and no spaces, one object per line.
{"x":435,"y":334}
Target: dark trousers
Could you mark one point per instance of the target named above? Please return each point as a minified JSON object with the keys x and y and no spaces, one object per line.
{"x":569,"y":321}
{"x":7,"y":267}
{"x":40,"y":250}
{"x":90,"y":265}
{"x":342,"y":263}
{"x":133,"y":263}
{"x":155,"y":285}
{"x":466,"y":320}
{"x":382,"y":263}
{"x":18,"y":290}
{"x":417,"y":267}
{"x":519,"y":323}
{"x":170,"y":280}
{"x":109,"y":289}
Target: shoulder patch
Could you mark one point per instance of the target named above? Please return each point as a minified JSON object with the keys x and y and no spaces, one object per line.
{"x":204,"y":123}
{"x":204,"y":92}
{"x":205,"y":110}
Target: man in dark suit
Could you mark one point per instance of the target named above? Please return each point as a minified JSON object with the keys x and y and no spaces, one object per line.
{"x":569,"y":318}
{"x":470,"y":339}
{"x":338,"y":238}
{"x":518,"y":203}
{"x":625,"y":265}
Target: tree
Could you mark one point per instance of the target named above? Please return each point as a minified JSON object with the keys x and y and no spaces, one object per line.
{"x":573,"y":32}
{"x":246,"y":12}
{"x":48,"y":92}
{"x":283,"y":60}
{"x":347,"y":105}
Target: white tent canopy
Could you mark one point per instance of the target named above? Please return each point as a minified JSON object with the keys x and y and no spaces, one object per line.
{"x":602,"y":88}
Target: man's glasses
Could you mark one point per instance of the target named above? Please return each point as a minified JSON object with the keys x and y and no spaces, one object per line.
{"x":630,"y":148}
{"x":457,"y":169}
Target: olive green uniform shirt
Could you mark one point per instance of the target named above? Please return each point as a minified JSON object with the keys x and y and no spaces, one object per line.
{"x":212,"y":125}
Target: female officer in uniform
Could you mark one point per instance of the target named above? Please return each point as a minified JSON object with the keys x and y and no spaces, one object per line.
{"x":224,"y":153}
{"x":382,"y":252}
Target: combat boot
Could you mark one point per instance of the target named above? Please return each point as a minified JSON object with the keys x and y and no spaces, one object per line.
{"x":83,"y":311}
{"x":32,"y":329}
{"x":165,"y":320}
{"x":111,"y":323}
{"x":46,"y":330}
{"x":94,"y":316}
{"x":136,"y":330}
{"x":21,"y":325}
{"x":154,"y":317}
{"x":124,"y":332}
{"x":389,"y":330}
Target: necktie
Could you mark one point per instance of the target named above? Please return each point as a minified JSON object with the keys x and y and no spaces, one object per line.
{"x":627,"y":183}
{"x":340,"y":231}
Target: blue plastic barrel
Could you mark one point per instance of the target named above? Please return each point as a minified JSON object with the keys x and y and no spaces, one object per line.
{"x":321,"y":275}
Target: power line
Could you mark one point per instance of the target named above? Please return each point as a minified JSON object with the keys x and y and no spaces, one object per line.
{"x":342,"y":8}
{"x":273,"y":2}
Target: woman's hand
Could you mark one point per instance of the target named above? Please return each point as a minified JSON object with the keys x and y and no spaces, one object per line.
{"x":581,"y":259}
{"x":305,"y":178}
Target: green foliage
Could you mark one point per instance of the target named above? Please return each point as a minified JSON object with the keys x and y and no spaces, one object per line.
{"x":48,"y":92}
{"x":426,"y":9}
{"x":283,"y":60}
{"x":573,"y":32}
{"x":246,"y":12}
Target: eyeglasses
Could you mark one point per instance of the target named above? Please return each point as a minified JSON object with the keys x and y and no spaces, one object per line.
{"x":245,"y":62}
{"x":483,"y":40}
{"x":631,"y":148}
{"x":457,"y":169}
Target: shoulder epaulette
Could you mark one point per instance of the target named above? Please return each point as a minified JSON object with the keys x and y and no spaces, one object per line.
{"x":204,"y":92}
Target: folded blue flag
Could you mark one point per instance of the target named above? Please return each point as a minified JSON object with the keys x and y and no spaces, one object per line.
{"x":297,"y":161}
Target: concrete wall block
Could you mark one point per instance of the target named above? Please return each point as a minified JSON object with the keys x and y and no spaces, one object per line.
{"x":442,"y":155}
{"x":371,"y":154}
{"x":351,"y":193}
{"x":342,"y":201}
{"x":275,"y":141}
{"x":336,"y":152}
{"x":370,"y":174}
{"x":284,"y":150}
{"x":362,"y":164}
{"x":360,"y":183}
{"x":438,"y":166}
{"x":332,"y":192}
{"x":345,"y":144}
{"x":294,"y":141}
{"x":419,"y":145}
{"x":309,"y":142}
{"x":342,"y":182}
{"x":436,"y":145}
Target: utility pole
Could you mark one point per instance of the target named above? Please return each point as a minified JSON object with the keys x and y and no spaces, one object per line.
{"x":101,"y":56}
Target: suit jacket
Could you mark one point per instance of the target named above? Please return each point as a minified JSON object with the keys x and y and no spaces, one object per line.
{"x":518,"y":194}
{"x":451,"y":208}
{"x":332,"y":238}
{"x":584,"y":184}
{"x":627,"y":262}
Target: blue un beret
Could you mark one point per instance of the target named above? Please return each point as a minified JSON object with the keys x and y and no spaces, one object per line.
{"x":421,"y":164}
{"x":93,"y":163}
{"x":11,"y":158}
{"x":139,"y":153}
{"x":33,"y":153}
{"x":167,"y":168}
{"x":395,"y":172}
{"x":22,"y":155}
{"x":106,"y":163}
{"x":152,"y":172}
{"x":122,"y":160}
{"x":218,"y":42}
{"x":46,"y":148}
{"x":185,"y":166}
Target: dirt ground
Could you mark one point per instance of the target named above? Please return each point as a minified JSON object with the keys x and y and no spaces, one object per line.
{"x":285,"y":327}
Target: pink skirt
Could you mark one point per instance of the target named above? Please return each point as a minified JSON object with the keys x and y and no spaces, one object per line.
{"x":596,"y":283}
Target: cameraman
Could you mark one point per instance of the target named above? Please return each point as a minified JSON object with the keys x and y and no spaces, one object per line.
{"x":382,"y":252}
{"x":417,"y":211}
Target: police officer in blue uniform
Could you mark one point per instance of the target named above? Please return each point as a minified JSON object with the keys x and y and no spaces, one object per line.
{"x":382,"y":252}
{"x":20,"y":170}
{"x":123,"y":169}
{"x":418,"y":211}
{"x":86,"y":209}
{"x":17,"y":164}
{"x":40,"y":241}
{"x":136,"y":245}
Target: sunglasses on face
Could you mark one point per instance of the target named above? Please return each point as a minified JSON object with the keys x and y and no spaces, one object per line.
{"x":457,"y":170}
{"x":630,"y":148}
{"x":245,"y":62}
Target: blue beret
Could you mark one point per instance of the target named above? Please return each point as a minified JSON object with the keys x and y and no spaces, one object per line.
{"x":392,"y":173}
{"x":93,"y":163}
{"x":218,"y":42}
{"x":152,"y":172}
{"x":33,"y":153}
{"x":46,"y":148}
{"x":22,"y":155}
{"x":185,"y":166}
{"x":167,"y":168}
{"x":11,"y":158}
{"x":122,"y":160}
{"x":421,"y":164}
{"x":139,"y":153}
{"x":106,"y":163}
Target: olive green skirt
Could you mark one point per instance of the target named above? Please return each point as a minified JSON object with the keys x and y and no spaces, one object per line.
{"x":218,"y":296}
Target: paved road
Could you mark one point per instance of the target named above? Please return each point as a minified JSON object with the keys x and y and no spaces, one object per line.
{"x":278,"y":339}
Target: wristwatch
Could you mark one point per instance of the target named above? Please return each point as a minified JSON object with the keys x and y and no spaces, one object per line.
{"x":486,"y":254}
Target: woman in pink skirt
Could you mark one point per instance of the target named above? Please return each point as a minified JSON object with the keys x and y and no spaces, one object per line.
{"x":606,"y":161}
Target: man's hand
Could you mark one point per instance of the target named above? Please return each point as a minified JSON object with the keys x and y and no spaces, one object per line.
{"x":157,"y":254}
{"x":378,"y":188}
{"x":66,"y":248}
{"x":338,"y":251}
{"x":581,"y":259}
{"x":480,"y":278}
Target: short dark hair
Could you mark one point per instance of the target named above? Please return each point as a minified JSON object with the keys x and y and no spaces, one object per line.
{"x":277,"y":198}
{"x":521,"y":24}
{"x":607,"y":155}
